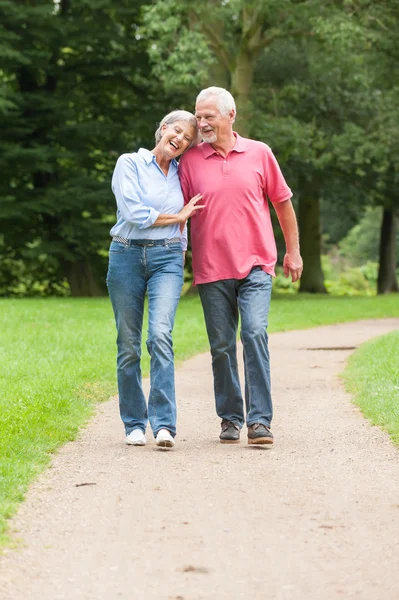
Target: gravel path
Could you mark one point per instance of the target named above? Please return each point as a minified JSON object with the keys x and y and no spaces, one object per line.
{"x":315,"y":517}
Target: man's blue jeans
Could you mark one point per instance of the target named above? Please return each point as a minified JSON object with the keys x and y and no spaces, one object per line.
{"x":223,"y":302}
{"x":155,"y":267}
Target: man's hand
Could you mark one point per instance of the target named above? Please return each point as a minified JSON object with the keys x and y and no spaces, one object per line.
{"x":293,"y":265}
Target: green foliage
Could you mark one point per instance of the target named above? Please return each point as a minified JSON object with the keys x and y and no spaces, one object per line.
{"x":177,"y":47}
{"x":82,"y":82}
{"x":361,"y":242}
{"x":284,"y":285}
{"x":355,"y":282}
{"x":72,"y":82}
{"x":341,"y":279}
{"x":21,"y":275}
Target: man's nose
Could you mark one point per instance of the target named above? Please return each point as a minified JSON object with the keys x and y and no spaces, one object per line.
{"x":201,"y":121}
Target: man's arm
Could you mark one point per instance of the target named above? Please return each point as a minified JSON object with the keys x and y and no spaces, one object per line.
{"x":292,"y":260}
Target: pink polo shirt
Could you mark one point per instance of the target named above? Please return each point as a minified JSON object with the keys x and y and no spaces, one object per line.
{"x":233,"y":233}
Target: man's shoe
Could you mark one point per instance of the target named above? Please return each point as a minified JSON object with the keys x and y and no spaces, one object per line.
{"x":136,"y":438}
{"x":164,"y":439}
{"x":230,"y":433}
{"x":259,"y":434}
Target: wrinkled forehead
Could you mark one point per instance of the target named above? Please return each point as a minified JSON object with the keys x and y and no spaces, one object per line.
{"x":209,"y":106}
{"x":185,"y":126}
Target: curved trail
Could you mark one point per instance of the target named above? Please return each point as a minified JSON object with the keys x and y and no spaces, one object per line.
{"x":315,"y":517}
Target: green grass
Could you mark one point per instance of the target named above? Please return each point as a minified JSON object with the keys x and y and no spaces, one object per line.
{"x":304,"y":311}
{"x":372,"y":376}
{"x":57,"y":360}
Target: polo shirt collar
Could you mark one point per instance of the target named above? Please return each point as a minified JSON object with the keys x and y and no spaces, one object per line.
{"x":149,"y":157}
{"x":239,"y":146}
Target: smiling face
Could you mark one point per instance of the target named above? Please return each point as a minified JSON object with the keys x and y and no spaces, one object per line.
{"x":213,"y":125}
{"x":176,"y":138}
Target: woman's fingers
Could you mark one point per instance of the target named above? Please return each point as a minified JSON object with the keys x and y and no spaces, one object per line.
{"x":191,"y":207}
{"x":195,"y":199}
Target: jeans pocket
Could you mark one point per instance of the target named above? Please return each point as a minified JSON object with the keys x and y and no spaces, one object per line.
{"x":175,"y":247}
{"x":117,"y":247}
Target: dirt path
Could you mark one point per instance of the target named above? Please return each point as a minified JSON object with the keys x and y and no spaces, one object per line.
{"x":316,"y":517}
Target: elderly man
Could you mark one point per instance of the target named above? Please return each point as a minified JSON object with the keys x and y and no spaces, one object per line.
{"x":234,"y":254}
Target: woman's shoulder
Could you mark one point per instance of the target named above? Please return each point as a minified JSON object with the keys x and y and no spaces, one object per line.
{"x":135,"y":159}
{"x":128,"y":157}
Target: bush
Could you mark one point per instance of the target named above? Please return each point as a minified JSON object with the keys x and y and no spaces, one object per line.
{"x":284,"y":285}
{"x":36,"y":277}
{"x":341,"y":279}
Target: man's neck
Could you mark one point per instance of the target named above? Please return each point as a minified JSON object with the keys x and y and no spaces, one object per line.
{"x":224,"y":146}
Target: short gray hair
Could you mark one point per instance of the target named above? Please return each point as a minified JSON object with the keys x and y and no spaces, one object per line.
{"x":173,"y":117}
{"x":224,"y":100}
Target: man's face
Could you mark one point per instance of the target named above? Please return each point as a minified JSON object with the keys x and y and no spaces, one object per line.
{"x":212,"y":125}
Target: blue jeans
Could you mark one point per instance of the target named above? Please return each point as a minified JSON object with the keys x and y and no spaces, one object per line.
{"x":155,"y":267}
{"x":223,"y":301}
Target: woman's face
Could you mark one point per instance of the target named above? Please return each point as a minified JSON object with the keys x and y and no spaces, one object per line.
{"x":176,"y":138}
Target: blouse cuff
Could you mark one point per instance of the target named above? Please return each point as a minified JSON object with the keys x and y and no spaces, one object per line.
{"x":150,"y":220}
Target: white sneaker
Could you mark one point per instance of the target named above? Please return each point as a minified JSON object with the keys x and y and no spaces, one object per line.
{"x":164,"y":439}
{"x":136,"y":438}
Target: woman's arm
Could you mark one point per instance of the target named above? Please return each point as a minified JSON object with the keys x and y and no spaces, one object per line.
{"x":125,"y":185}
{"x":181,"y":217}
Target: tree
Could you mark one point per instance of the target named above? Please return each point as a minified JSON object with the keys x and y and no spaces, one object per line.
{"x":300,"y":77}
{"x":371,"y":146}
{"x":75,"y":94}
{"x":195,"y":44}
{"x":227,"y":40}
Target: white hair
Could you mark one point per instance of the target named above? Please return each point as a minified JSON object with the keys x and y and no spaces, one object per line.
{"x":173,"y":117}
{"x":224,"y":100}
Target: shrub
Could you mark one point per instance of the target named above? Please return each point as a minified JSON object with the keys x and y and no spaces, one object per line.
{"x":34,"y":277}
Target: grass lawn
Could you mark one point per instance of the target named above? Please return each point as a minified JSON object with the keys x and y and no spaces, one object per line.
{"x":372,"y":376}
{"x":57,"y":360}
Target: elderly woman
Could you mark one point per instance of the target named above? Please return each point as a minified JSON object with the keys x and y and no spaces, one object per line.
{"x":147,"y":255}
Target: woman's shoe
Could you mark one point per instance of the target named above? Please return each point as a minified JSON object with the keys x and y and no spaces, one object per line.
{"x":164,"y":439}
{"x":136,"y":438}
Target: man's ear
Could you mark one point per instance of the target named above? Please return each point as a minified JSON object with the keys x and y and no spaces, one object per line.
{"x":232,"y":115}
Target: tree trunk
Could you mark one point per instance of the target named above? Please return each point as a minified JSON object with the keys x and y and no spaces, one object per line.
{"x":241,"y":84}
{"x":312,"y":280}
{"x":387,"y":281}
{"x":81,"y":279}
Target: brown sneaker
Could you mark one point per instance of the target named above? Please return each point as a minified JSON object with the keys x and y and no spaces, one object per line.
{"x":259,"y":434}
{"x":230,"y":433}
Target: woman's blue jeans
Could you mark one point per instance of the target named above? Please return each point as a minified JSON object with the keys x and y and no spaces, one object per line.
{"x":155,"y":267}
{"x":223,"y":302}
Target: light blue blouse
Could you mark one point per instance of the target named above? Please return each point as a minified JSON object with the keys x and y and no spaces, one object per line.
{"x":143,"y":192}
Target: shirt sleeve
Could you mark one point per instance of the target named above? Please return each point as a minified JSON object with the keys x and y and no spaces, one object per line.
{"x":184,"y":182}
{"x":276,"y":187}
{"x":126,"y":187}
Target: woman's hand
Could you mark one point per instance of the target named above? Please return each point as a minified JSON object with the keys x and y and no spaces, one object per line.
{"x":182,"y":216}
{"x":190,"y":208}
